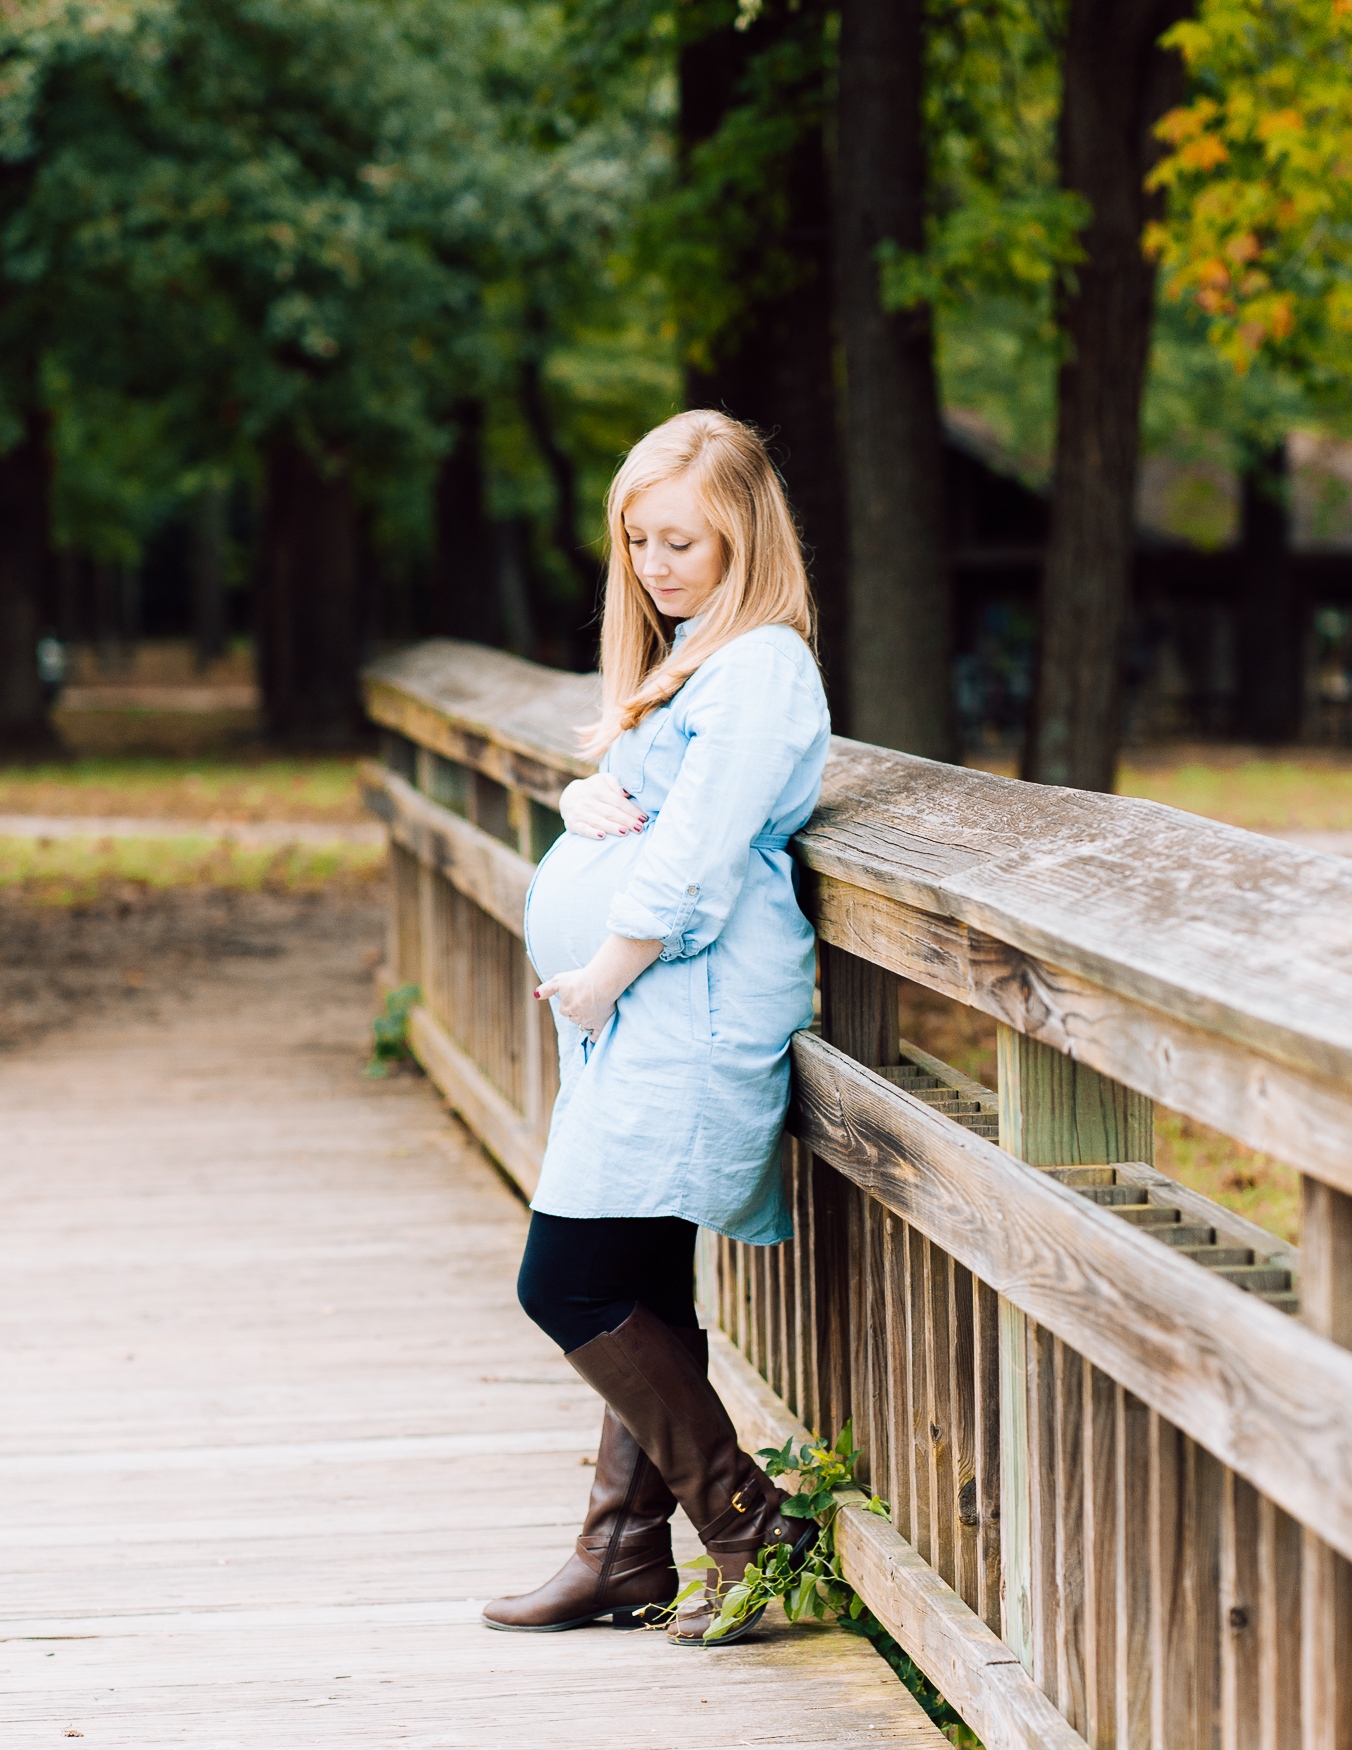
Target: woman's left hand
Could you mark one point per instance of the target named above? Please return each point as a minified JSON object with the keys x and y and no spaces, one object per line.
{"x":581,"y":1000}
{"x":587,"y":997}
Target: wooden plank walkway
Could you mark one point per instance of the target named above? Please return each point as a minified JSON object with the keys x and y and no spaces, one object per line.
{"x":274,"y":1426}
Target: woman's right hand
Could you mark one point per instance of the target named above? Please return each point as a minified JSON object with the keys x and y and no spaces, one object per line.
{"x":597,"y":805}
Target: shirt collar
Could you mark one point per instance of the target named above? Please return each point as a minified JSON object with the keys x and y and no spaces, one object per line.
{"x":684,"y":627}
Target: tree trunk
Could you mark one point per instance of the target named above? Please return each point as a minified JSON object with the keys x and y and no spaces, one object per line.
{"x":307,"y":602}
{"x":465,"y":602}
{"x":781,"y":378}
{"x":209,"y":576}
{"x":899,"y":610}
{"x":1117,"y":84}
{"x":25,"y":727}
{"x":511,"y":567}
{"x":1273,"y":612}
{"x":585,"y":562}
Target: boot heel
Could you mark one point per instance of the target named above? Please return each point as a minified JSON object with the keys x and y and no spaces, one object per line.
{"x":634,"y":1616}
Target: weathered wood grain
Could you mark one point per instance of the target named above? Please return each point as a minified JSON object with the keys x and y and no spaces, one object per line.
{"x":878,"y":1390}
{"x":915,"y":1430}
{"x":1100,"y":1557}
{"x":1039,"y":1466}
{"x":495,"y":877}
{"x":477,"y":705}
{"x":1016,"y":1531}
{"x":1202,"y":1615}
{"x":962,"y":1402}
{"x":1278,"y":1628}
{"x":1241,"y":1669}
{"x":939,"y":1414}
{"x":831,"y":1198}
{"x":1326,"y":1574}
{"x":1243,"y":935}
{"x":1068,"y":1465}
{"x":1298,"y":1115}
{"x":895,"y":1371}
{"x":986,"y":1382}
{"x":506,"y":1133}
{"x":1266,"y":1396}
{"x":262,"y":1351}
{"x":1056,"y":1111}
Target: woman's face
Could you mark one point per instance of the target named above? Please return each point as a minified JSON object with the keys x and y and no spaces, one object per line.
{"x":677,"y":554}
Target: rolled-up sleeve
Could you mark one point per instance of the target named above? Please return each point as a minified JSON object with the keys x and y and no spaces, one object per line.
{"x":750,"y":717}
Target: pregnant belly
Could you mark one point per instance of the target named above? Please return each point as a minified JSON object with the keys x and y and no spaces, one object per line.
{"x":570,"y":896}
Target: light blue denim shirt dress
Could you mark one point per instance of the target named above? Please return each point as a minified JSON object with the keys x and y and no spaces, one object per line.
{"x":678,"y":1107}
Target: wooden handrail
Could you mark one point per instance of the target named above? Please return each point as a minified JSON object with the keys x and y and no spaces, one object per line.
{"x":1121,"y":1484}
{"x":1205,"y":966}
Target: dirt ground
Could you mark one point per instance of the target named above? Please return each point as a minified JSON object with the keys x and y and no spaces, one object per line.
{"x":142,"y":949}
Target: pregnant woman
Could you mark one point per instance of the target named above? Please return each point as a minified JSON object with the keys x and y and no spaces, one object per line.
{"x":668,"y":939}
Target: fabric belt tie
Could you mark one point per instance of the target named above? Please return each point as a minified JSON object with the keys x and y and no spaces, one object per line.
{"x":765,"y":841}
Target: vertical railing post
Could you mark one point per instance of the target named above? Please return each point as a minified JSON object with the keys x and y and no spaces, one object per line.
{"x":1057,"y":1494}
{"x":1326,"y":1576}
{"x":859,"y":1017}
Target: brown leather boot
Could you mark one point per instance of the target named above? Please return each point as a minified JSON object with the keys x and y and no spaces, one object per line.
{"x":621,"y":1566}
{"x":667,"y":1403}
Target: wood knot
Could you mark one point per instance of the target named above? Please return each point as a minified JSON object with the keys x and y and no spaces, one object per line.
{"x":1239,"y":1618}
{"x":968,"y":1512}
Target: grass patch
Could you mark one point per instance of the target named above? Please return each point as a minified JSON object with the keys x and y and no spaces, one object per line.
{"x":1254,"y":1185}
{"x":1304,"y":791}
{"x":81,"y":871}
{"x":1264,"y":795}
{"x":149,"y":787}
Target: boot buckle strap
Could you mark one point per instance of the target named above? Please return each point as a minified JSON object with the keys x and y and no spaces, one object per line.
{"x":741,"y":1505}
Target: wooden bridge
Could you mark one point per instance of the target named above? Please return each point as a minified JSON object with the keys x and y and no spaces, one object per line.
{"x":274,"y":1426}
{"x":1113,"y":1421}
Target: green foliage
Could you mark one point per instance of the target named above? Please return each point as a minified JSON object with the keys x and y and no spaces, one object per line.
{"x":1259,"y":225}
{"x":816,"y":1585}
{"x":226,"y":222}
{"x":1000,"y":225}
{"x":391,"y":1030}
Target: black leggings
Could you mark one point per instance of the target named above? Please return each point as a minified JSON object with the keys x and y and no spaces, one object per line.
{"x":580,"y":1277}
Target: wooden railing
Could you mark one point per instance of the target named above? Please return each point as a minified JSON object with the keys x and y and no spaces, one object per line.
{"x":1113,"y":1421}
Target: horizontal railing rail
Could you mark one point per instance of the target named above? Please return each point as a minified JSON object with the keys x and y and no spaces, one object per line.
{"x":1119,"y":1469}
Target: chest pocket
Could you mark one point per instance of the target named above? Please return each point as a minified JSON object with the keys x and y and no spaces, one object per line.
{"x":629,"y":756}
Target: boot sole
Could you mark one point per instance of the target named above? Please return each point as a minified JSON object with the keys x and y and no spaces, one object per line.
{"x":799,"y":1555}
{"x":621,"y":1616}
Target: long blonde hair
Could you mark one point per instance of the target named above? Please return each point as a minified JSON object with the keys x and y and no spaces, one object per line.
{"x":764,"y":581}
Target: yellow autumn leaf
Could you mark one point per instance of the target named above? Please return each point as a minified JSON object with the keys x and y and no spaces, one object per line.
{"x":1245,"y":247}
{"x":1281,"y":121}
{"x":1185,"y":124}
{"x":1203,"y":153}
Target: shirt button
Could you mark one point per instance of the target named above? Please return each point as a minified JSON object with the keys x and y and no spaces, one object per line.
{"x":692,"y":891}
